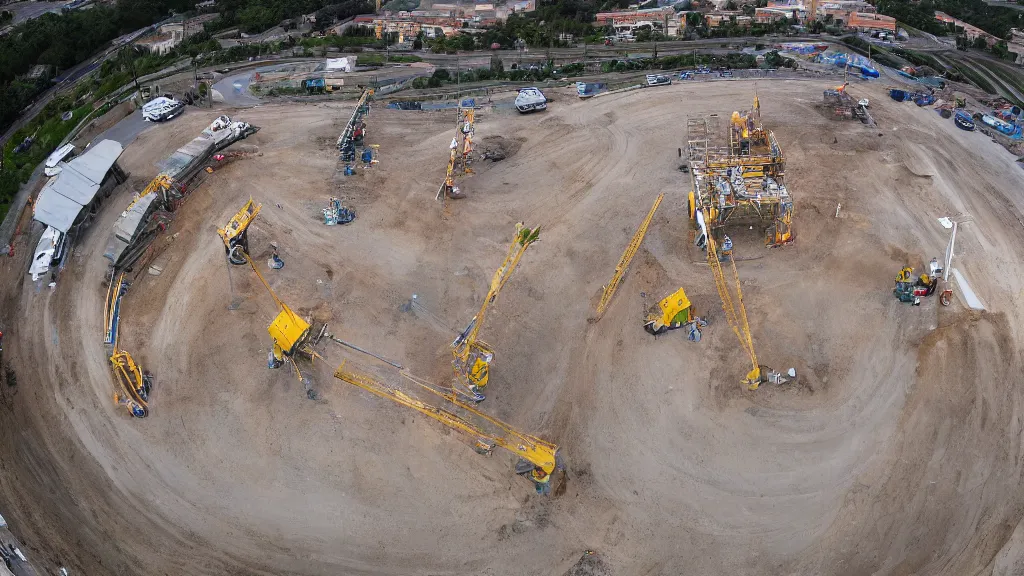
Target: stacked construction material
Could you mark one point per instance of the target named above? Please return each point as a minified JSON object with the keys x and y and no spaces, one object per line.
{"x":178,"y":175}
{"x":355,"y":128}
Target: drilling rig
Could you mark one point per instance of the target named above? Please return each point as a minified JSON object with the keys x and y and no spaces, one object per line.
{"x":471,"y":357}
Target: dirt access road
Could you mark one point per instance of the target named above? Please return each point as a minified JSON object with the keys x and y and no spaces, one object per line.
{"x":897,"y":451}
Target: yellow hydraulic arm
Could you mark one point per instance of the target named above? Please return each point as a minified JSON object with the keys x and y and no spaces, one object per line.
{"x":627,"y":257}
{"x":466,"y":127}
{"x":472,"y":357}
{"x":133,"y":392}
{"x":538,"y":452}
{"x":735,"y":312}
{"x":234,"y":233}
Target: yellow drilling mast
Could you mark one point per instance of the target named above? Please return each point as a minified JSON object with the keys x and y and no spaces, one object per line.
{"x":471,"y":358}
{"x":465,"y":128}
{"x":627,"y":257}
{"x":133,"y":383}
{"x":739,"y":174}
{"x":539,"y":454}
{"x":735,"y":312}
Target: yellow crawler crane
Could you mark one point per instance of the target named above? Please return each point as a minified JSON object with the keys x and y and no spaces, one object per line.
{"x":471,"y":357}
{"x":465,"y":130}
{"x":538,"y":459}
{"x":291,"y":334}
{"x":627,"y":257}
{"x":735,"y":312}
{"x":133,"y":384}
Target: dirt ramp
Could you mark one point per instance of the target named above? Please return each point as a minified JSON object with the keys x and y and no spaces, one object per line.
{"x":936,"y":503}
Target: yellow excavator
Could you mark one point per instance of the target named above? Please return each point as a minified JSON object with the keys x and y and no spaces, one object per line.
{"x":290,"y":333}
{"x":471,"y":357}
{"x":675,"y":312}
{"x":538,"y":459}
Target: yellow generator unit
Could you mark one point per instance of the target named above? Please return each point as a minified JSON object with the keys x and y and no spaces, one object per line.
{"x":672,"y":313}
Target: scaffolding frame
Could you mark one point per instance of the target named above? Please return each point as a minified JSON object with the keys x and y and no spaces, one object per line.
{"x":739,"y":173}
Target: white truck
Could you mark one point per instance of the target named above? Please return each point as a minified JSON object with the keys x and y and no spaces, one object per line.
{"x":161,"y":109}
{"x":530,"y":100}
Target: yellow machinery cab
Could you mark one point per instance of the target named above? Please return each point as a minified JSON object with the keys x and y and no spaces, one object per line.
{"x":289,"y":332}
{"x":673,"y":312}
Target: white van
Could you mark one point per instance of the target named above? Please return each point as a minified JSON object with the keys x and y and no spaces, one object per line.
{"x":49,"y":252}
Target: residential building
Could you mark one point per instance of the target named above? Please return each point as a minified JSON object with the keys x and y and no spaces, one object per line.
{"x":768,"y":15}
{"x":972,"y":32}
{"x":868,"y":22}
{"x":737,"y":17}
{"x":158,"y":43}
{"x":170,"y":34}
{"x":1016,"y":45}
{"x":627,"y":22}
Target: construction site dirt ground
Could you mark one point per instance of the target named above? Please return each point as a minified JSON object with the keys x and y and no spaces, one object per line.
{"x":897,"y":450}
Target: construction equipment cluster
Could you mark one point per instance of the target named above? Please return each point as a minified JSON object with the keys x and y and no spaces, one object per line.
{"x":737,"y":176}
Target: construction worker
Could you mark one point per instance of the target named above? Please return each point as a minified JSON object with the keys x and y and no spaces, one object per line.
{"x":726,"y":247}
{"x":541,"y":481}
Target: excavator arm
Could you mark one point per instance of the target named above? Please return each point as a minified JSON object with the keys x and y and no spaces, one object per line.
{"x":627,"y":257}
{"x":536,"y":451}
{"x":288,"y":330}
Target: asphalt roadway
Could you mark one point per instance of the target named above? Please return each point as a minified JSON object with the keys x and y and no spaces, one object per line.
{"x":24,"y":11}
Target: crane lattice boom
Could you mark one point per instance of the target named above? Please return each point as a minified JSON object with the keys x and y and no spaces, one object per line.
{"x":735,"y":312}
{"x":536,"y":451}
{"x":627,"y":257}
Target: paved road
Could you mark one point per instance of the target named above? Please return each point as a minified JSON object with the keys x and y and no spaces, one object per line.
{"x":65,"y":81}
{"x":24,"y":11}
{"x":235,"y":88}
{"x":1010,"y":5}
{"x":129,"y":128}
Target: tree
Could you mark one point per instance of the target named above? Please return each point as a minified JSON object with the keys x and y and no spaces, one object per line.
{"x":730,"y":5}
{"x":999,"y":49}
{"x":643,"y":33}
{"x":980,"y":43}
